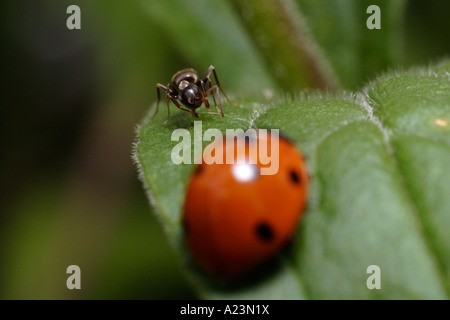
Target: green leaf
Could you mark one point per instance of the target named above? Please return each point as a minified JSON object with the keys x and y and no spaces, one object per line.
{"x":354,"y":51}
{"x":279,"y":31}
{"x":281,"y":44}
{"x":378,"y":162}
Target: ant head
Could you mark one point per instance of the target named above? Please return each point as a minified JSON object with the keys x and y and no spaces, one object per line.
{"x":192,"y":96}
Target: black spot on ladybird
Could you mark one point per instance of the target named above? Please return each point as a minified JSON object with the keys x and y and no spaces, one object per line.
{"x":199,"y":169}
{"x":295,"y":178}
{"x":264,"y":232}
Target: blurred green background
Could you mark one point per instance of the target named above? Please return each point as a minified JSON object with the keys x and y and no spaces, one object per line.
{"x":71,"y":100}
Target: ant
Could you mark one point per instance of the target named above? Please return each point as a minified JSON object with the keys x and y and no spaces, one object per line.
{"x":186,"y":87}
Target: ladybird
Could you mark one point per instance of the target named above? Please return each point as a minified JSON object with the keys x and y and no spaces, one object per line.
{"x":236,"y":218}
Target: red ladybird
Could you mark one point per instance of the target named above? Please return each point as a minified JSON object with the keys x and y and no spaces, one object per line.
{"x":235,"y":218}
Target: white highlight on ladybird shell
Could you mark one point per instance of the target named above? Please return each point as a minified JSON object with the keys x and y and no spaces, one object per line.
{"x":441,"y":123}
{"x":245,"y":172}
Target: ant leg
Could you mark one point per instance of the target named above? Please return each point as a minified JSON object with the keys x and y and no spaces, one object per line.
{"x":162,"y":87}
{"x":158,"y":94}
{"x":168,"y":110}
{"x":220,"y":100}
{"x":208,"y":73}
{"x":206,"y":102}
{"x":216,"y":78}
{"x":207,"y":88}
{"x":204,"y":88}
{"x":211,"y":90}
{"x":219,"y":86}
{"x":192,"y":112}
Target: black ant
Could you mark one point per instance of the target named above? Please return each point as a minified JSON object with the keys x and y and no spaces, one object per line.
{"x":186,"y":87}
